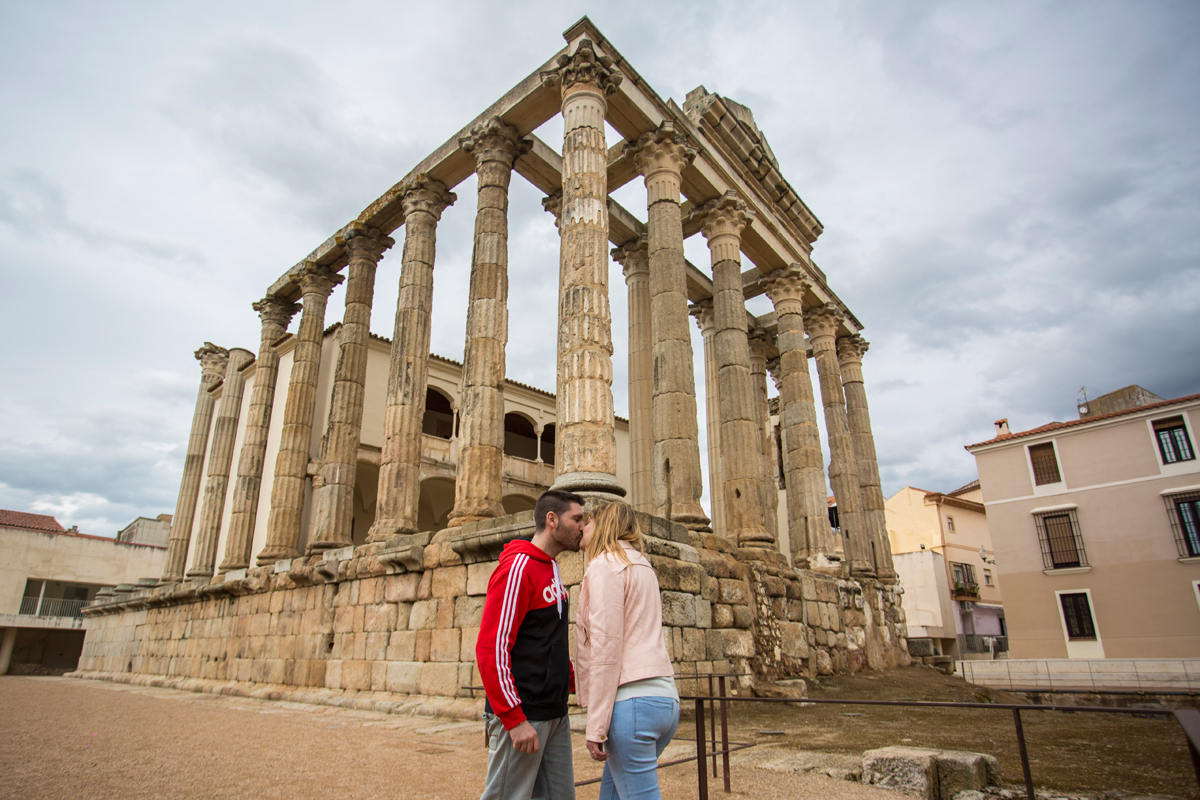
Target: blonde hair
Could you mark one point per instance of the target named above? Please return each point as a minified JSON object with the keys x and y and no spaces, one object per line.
{"x":614,"y":523}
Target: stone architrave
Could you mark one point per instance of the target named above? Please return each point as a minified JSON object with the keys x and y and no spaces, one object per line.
{"x":477,"y":487}
{"x":813,"y":544}
{"x":424,"y":200}
{"x":702,"y":310}
{"x":721,"y":222}
{"x":212,"y":360}
{"x":634,"y":259}
{"x":660,"y":156}
{"x":275,"y":313}
{"x":823,"y":323}
{"x":295,"y":441}
{"x":220,"y":460}
{"x":333,"y":521}
{"x":585,"y":436}
{"x":759,"y":345}
{"x":850,"y":350}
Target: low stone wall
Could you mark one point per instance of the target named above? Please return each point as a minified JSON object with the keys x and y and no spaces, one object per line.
{"x":402,"y":617}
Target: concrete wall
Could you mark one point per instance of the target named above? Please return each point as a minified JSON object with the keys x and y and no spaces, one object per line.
{"x":926,"y":600}
{"x":1143,"y":593}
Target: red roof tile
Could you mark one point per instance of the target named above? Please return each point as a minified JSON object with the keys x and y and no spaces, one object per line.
{"x":33,"y":522}
{"x":1054,"y":426}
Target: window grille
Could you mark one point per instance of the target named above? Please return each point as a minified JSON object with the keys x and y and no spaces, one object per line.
{"x":1062,"y":543}
{"x":1173,"y":440}
{"x":1045,"y":464}
{"x":1078,"y":614}
{"x":1184,"y":511}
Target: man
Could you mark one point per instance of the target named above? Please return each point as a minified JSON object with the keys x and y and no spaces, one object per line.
{"x":523,"y":657}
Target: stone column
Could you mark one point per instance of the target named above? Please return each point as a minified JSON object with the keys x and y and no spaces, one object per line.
{"x":334,"y":486}
{"x":220,"y":459}
{"x":400,"y":465}
{"x":813,"y":543}
{"x":477,"y":486}
{"x":275,"y":313}
{"x":762,"y":418}
{"x":823,"y":323}
{"x":722,"y":221}
{"x":585,"y":445}
{"x":703,"y":312}
{"x":295,"y":442}
{"x":660,"y":157}
{"x":850,"y":350}
{"x":634,"y":258}
{"x":212,"y":360}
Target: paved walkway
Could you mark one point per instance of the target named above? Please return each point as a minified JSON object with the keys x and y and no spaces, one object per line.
{"x":64,"y":737}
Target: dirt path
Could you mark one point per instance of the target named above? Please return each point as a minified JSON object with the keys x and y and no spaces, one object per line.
{"x":71,"y":738}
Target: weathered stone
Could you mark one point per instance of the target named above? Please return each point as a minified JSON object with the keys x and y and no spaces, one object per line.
{"x":910,"y":769}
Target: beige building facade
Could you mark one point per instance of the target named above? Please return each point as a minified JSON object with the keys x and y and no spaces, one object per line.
{"x":943,"y":553}
{"x":1096,"y":532}
{"x":345,"y":497}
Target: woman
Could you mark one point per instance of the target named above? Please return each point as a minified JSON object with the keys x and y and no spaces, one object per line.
{"x":624,"y":675}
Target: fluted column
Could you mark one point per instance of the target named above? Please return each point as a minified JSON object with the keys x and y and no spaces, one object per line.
{"x":220,"y":459}
{"x":477,"y":486}
{"x":823,"y":323}
{"x":400,"y":465}
{"x":660,"y":157}
{"x":212,"y":360}
{"x":762,"y":419}
{"x":586,"y":445}
{"x":275,"y":313}
{"x":850,"y":350}
{"x":295,"y":441}
{"x":634,"y":258}
{"x":722,"y":221}
{"x":813,"y":544}
{"x":332,"y":523}
{"x":703,"y":312}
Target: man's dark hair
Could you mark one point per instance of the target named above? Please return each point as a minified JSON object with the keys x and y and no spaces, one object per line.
{"x":553,"y":500}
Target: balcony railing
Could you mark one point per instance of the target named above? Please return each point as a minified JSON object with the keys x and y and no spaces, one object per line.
{"x":968,"y":590}
{"x":52,"y":607}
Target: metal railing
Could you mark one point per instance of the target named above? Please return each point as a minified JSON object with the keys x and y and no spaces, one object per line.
{"x":52,"y":607}
{"x":1161,"y":675}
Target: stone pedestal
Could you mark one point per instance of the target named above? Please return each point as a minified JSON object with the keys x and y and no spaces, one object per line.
{"x":212,"y":360}
{"x":400,"y":462}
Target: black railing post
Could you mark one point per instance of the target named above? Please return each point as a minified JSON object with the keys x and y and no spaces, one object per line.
{"x":713,"y":726}
{"x":701,"y":766}
{"x":1024,"y":753}
{"x":724,"y":733}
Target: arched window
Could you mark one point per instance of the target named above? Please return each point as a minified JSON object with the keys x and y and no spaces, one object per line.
{"x":548,"y":444}
{"x":439,"y":416}
{"x":520,"y":439}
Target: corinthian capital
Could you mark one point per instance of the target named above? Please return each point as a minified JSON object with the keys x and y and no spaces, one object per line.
{"x":584,"y":66}
{"x":660,"y":157}
{"x":823,"y":320}
{"x":786,"y":288}
{"x":702,"y":310}
{"x":275,"y":312}
{"x":423,"y":194}
{"x":851,"y":349}
{"x":213,"y":361}
{"x":634,"y":257}
{"x":366,"y":241}
{"x":553,"y":204}
{"x":762,"y":346}
{"x":721,"y":221}
{"x":316,"y":279}
{"x":494,"y":140}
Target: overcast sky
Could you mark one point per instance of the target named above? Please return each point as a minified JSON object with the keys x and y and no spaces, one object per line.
{"x":1009,"y":193}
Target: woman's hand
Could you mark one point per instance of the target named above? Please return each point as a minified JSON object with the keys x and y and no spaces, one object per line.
{"x":596,"y":749}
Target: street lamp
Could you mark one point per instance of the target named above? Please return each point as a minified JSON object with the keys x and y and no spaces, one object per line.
{"x":983,"y":553}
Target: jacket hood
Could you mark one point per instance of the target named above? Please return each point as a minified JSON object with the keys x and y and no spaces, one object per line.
{"x":524,"y":546}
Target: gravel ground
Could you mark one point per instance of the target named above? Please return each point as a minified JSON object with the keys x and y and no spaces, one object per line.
{"x":92,"y":739}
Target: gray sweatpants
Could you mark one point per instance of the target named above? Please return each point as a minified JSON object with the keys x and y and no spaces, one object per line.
{"x":547,"y":774}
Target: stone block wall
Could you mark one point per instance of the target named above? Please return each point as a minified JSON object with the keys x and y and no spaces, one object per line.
{"x":401,"y":617}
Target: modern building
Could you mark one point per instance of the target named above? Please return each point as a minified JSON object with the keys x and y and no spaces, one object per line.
{"x":1096,"y":526}
{"x":144,"y":530}
{"x":943,"y":554}
{"x":47,"y":574}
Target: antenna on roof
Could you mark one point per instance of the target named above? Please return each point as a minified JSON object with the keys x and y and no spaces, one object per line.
{"x":1081,"y":402}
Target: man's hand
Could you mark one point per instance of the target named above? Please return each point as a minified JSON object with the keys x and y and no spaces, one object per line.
{"x":524,"y":738}
{"x":596,"y":749}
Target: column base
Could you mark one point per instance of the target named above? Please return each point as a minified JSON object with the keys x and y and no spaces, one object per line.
{"x":386,"y":529}
{"x":228,"y":567}
{"x":270,"y":555}
{"x":692,"y":517}
{"x":596,"y":487}
{"x":887,"y":576}
{"x":861,"y":569}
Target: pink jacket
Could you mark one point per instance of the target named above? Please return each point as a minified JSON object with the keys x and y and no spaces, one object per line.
{"x":619,"y":634}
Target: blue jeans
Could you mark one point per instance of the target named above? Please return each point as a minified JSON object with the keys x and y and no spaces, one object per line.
{"x":640,"y":730}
